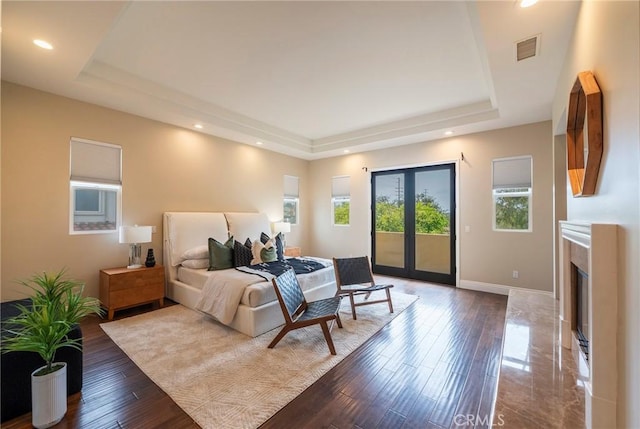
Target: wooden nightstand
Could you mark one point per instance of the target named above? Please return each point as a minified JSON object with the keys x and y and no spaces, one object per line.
{"x":293,"y":252}
{"x":127,"y":287}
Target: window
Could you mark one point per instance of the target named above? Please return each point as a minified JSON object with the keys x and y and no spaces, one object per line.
{"x":340,"y":200}
{"x":89,"y":202}
{"x":291,"y":200}
{"x":512,"y":194}
{"x":95,"y":187}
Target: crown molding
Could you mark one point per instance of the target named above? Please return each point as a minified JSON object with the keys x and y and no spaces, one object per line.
{"x":149,"y":99}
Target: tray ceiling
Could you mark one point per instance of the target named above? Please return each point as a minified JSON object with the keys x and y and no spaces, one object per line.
{"x":310,"y":79}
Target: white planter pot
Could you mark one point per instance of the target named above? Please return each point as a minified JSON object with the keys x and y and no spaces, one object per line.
{"x":48,"y":397}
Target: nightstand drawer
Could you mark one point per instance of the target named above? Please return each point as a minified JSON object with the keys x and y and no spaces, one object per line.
{"x":143,"y":293}
{"x":293,"y":252}
{"x":123,"y":287}
{"x":135,"y":279}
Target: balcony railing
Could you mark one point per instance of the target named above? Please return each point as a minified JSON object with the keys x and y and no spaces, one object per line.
{"x":432,"y":251}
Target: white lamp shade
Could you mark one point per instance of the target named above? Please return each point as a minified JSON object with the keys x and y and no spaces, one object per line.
{"x":283,"y":227}
{"x":135,"y":234}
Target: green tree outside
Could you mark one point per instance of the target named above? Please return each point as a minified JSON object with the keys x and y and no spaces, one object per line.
{"x":512,"y":212}
{"x":389,"y":216}
{"x":341,"y":212}
{"x":430,"y":217}
{"x":430,"y":220}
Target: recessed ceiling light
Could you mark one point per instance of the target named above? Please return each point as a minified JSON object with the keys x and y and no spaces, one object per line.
{"x":259,"y":143}
{"x":346,"y":151}
{"x":198,"y":126}
{"x":43,"y":44}
{"x":448,"y":133}
{"x":527,"y":3}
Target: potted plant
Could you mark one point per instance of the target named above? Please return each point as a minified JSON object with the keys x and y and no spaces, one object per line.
{"x":57,"y":305}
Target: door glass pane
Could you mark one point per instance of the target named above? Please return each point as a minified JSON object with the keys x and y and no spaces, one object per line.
{"x":432,"y":221}
{"x":389,"y":212}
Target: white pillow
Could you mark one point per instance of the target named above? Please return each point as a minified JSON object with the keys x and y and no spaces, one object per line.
{"x":196,"y":263}
{"x":257,"y":247}
{"x":198,"y":252}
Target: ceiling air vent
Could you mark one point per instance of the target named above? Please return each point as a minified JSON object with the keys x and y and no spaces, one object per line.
{"x":527,"y":48}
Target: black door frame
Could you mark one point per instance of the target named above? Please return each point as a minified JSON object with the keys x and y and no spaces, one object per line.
{"x":409,"y":271}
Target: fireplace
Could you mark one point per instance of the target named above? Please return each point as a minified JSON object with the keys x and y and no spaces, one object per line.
{"x":589,"y":313}
{"x":580,"y":282}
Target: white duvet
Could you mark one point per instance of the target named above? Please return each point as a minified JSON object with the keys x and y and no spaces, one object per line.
{"x":223,"y":290}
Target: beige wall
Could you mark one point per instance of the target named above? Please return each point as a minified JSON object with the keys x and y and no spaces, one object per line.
{"x":559,"y":201}
{"x":486,"y":256}
{"x":169,"y":168}
{"x":165,"y":168}
{"x":607,"y":42}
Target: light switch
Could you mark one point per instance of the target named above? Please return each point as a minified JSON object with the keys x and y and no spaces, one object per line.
{"x":467,"y":228}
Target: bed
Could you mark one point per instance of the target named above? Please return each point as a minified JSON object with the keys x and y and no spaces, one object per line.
{"x":258,"y":310}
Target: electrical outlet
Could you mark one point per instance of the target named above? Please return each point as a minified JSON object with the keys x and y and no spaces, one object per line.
{"x":153,"y":229}
{"x":516,"y":274}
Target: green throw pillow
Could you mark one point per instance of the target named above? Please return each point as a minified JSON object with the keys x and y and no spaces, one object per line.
{"x":220,"y":255}
{"x":268,"y":255}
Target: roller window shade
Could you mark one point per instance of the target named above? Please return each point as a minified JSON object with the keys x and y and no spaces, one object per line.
{"x":96,"y":162}
{"x":512,"y":173}
{"x":291,"y":187}
{"x":340,"y":187}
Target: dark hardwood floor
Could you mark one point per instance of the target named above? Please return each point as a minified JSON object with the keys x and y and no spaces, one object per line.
{"x":433,"y":366}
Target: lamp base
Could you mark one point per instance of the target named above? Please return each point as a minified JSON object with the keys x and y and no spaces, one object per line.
{"x":135,"y":253}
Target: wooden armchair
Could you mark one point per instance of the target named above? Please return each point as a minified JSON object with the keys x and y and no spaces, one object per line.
{"x":354,"y":277}
{"x":299,"y":313}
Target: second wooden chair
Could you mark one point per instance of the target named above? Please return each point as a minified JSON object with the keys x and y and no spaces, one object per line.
{"x":354,"y":277}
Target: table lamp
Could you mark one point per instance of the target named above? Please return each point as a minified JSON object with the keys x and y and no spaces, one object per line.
{"x":281,"y":228}
{"x":134,"y":235}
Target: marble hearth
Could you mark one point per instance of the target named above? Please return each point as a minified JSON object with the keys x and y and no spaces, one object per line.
{"x":592,"y":247}
{"x":539,"y":383}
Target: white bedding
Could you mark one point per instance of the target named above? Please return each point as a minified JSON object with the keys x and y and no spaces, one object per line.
{"x":222,"y":291}
{"x":258,"y":311}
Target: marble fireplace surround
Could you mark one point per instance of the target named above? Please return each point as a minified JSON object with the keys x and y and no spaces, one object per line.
{"x":600,"y":241}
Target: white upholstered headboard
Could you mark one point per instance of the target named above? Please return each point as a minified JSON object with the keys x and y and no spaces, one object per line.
{"x":247,"y":225}
{"x":185,"y":230}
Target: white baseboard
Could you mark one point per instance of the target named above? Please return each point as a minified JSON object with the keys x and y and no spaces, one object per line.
{"x":494,"y":288}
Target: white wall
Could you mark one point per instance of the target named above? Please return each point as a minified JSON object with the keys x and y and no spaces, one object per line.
{"x":486,"y":256}
{"x":607,"y":42}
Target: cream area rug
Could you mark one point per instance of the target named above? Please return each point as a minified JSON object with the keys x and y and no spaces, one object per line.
{"x":225,"y":379}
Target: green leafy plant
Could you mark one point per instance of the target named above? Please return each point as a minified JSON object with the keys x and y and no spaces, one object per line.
{"x":57,"y":305}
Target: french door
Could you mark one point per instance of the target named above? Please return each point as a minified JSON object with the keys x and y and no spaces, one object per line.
{"x":413,"y":223}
